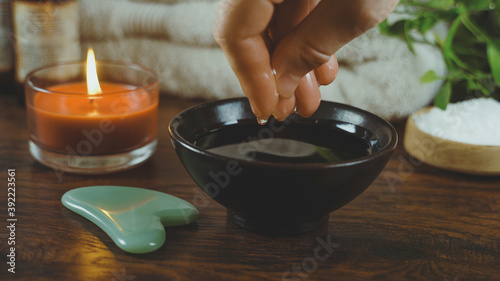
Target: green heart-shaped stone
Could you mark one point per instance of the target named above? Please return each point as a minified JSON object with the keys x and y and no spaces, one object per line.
{"x":133,"y":217}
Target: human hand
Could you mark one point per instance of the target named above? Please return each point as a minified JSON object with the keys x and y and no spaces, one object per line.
{"x":282,"y":50}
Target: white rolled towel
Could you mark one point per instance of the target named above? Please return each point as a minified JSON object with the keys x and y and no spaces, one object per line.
{"x":187,"y":22}
{"x":376,"y":73}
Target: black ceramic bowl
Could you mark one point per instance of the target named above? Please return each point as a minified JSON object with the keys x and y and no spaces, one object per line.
{"x":281,"y":198}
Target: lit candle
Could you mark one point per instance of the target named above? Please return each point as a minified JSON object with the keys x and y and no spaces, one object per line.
{"x":91,"y":125}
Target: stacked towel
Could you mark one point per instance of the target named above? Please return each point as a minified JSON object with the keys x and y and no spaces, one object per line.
{"x":174,"y":38}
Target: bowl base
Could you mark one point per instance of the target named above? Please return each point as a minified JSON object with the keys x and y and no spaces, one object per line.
{"x":274,"y":227}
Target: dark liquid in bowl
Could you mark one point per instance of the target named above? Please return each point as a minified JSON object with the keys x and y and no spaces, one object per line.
{"x":312,"y":142}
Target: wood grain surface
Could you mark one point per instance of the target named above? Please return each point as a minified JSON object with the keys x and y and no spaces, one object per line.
{"x":415,"y":222}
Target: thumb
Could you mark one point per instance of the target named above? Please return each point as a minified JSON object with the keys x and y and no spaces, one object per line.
{"x":331,"y":25}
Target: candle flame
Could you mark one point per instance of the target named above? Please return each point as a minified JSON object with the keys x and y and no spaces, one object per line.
{"x":93,"y":86}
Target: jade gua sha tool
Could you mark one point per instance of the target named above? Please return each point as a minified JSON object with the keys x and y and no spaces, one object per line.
{"x":133,"y":217}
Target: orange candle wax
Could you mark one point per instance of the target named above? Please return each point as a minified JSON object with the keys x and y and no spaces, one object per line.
{"x":70,"y":121}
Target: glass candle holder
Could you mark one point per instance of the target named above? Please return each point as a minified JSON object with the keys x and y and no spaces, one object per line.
{"x":73,"y":131}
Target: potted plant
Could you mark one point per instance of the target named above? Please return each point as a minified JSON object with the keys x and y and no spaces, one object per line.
{"x":471,"y":47}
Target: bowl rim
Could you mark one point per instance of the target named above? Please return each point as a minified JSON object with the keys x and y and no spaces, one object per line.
{"x":389,"y":148}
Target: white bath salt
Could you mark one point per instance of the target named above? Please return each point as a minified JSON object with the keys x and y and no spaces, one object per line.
{"x":475,"y":121}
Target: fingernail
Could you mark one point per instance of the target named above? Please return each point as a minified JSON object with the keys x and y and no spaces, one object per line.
{"x":278,"y":117}
{"x":261,"y":121}
{"x":255,"y":111}
{"x":287,"y":84}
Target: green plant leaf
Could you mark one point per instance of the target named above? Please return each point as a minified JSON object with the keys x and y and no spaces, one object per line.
{"x":447,"y":47}
{"x":396,"y":28}
{"x":428,"y":77}
{"x":477,"y":5}
{"x":443,"y":96}
{"x":328,"y":155}
{"x":409,"y":40}
{"x":384,"y":27}
{"x":471,"y":48}
{"x":440,"y":4}
{"x":472,"y":85}
{"x":426,"y":23}
{"x":472,"y":27}
{"x":493,"y":52}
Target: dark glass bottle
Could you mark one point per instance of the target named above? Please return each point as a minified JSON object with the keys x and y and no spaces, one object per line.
{"x":6,"y":51}
{"x":45,"y":32}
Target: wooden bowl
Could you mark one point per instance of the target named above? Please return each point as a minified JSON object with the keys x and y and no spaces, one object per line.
{"x":450,"y":155}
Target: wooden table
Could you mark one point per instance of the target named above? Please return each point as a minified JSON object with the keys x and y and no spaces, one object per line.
{"x":414,"y":222}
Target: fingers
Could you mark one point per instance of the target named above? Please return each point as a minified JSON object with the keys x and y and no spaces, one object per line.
{"x":323,"y":32}
{"x":327,"y":72}
{"x":309,"y":46}
{"x":288,"y":15}
{"x":305,"y":101}
{"x":238,"y":28}
{"x":284,"y":108}
{"x":307,"y":95}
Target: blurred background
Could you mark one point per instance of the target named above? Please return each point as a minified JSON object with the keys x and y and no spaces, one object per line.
{"x":448,"y":49}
